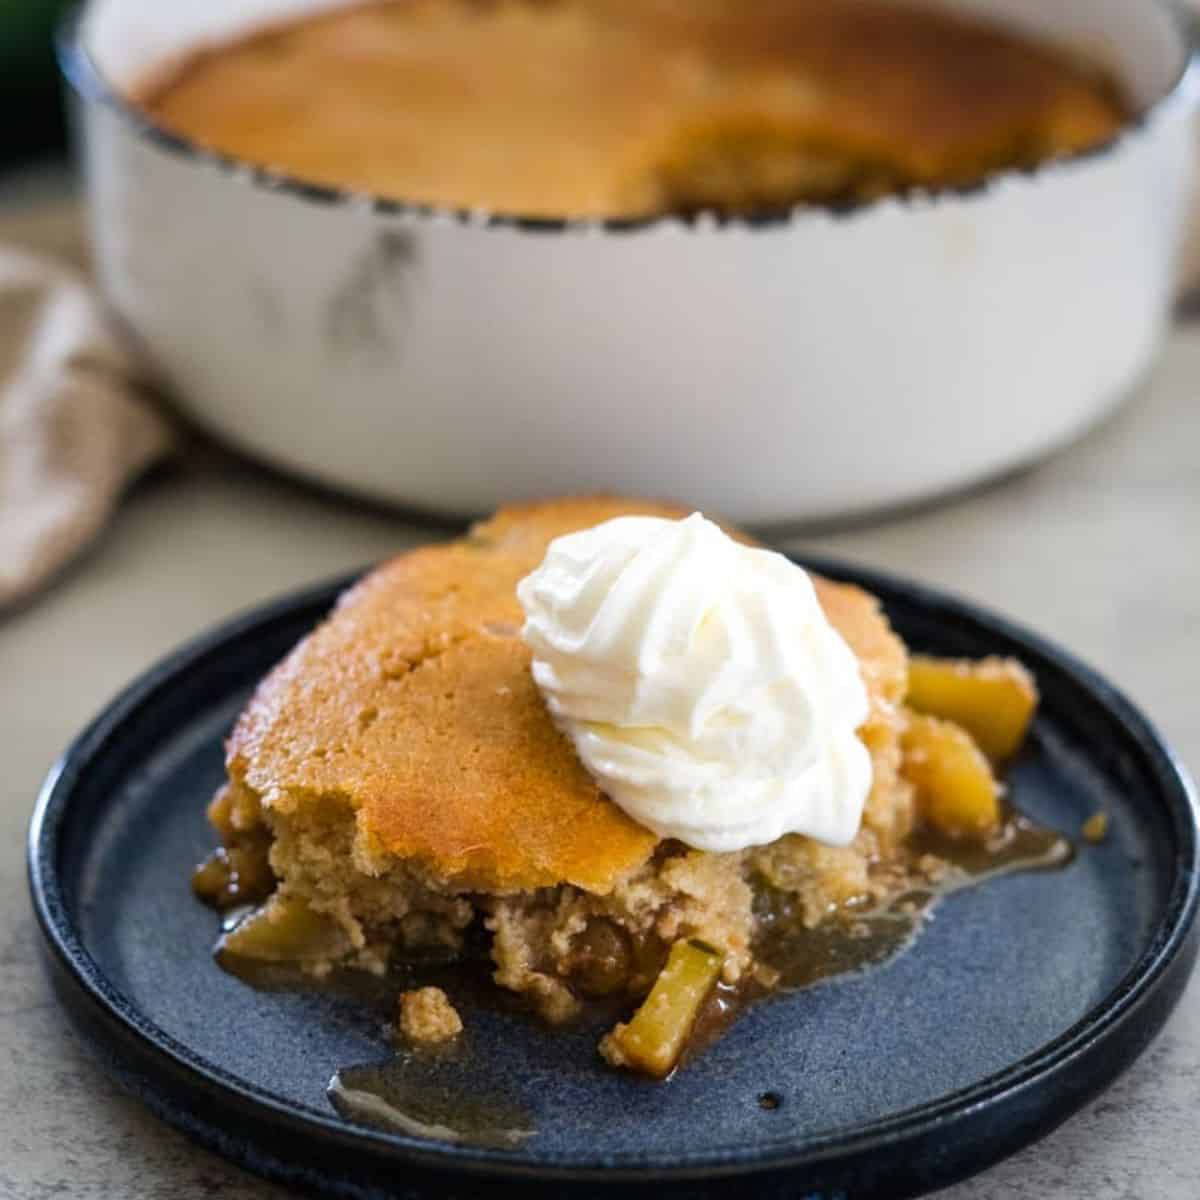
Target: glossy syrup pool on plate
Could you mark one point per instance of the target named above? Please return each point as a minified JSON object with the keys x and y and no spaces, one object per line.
{"x":427,"y":1091}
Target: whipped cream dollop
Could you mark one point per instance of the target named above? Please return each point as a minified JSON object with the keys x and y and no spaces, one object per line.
{"x":701,"y":683}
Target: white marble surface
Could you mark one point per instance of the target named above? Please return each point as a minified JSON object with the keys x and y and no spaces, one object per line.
{"x":1099,"y":548}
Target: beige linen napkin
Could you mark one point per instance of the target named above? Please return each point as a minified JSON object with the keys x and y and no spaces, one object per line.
{"x":75,"y":425}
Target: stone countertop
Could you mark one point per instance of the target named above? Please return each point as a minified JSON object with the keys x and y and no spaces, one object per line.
{"x":1099,"y":548}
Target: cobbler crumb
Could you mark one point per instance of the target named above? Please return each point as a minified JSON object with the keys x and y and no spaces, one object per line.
{"x":1095,"y":828}
{"x":427,"y":1017}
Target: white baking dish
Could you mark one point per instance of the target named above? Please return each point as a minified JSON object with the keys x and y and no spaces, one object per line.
{"x":805,"y":368}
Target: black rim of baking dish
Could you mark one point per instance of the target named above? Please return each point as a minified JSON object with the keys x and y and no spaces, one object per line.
{"x":1073,"y":1067}
{"x":89,"y":83}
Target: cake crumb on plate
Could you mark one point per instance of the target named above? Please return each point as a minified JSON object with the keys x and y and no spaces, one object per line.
{"x":427,"y":1017}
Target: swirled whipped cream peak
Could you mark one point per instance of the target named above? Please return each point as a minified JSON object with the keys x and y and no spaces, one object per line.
{"x":700,"y":682}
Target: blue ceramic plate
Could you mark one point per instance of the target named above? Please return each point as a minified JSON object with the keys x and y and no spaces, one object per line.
{"x":1022,"y":999}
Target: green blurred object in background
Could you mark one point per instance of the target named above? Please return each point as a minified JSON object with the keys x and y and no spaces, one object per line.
{"x":29,"y":79}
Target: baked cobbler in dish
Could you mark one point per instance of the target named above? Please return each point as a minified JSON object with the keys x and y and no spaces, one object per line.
{"x":631,"y":108}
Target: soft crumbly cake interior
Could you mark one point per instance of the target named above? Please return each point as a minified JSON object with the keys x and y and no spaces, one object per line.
{"x":397,"y":782}
{"x":627,"y":108}
{"x":556,"y":945}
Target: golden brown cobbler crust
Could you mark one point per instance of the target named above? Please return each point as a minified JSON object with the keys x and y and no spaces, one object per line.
{"x":414,"y":706}
{"x":632,"y":107}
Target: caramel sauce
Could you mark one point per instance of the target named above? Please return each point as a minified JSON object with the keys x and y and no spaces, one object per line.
{"x":235,"y":875}
{"x":860,"y":938}
{"x":864,"y":937}
{"x":426,"y":1092}
{"x":405,"y":1096}
{"x":429,"y":1093}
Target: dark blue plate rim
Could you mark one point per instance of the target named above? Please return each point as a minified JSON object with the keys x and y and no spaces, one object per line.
{"x":1149,"y":990}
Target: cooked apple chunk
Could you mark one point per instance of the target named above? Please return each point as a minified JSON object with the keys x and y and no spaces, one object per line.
{"x":285,"y":930}
{"x":993,"y":699}
{"x":654,"y":1038}
{"x":956,"y":791}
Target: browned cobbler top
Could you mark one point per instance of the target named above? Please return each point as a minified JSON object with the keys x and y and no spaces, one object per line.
{"x":415,"y":704}
{"x":577,"y":108}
